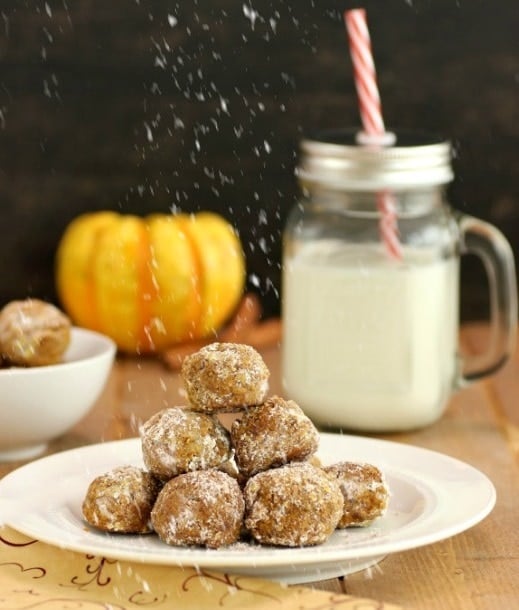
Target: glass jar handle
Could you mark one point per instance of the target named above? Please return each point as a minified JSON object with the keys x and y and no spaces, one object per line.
{"x":489,"y":244}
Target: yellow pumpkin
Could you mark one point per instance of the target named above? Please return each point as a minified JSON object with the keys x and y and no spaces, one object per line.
{"x":150,"y":282}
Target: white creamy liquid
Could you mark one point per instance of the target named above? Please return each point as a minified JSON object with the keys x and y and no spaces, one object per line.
{"x":369,"y":344}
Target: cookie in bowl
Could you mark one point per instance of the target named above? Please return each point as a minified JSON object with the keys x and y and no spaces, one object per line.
{"x":33,"y":333}
{"x":46,"y":386}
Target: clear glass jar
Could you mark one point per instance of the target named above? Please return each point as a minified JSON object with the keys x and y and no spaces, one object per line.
{"x":370,"y":341}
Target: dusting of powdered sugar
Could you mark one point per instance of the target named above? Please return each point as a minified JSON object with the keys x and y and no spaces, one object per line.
{"x":202,"y":508}
{"x":177,"y":440}
{"x":225,"y":377}
{"x":365,"y":491}
{"x":294,"y":505}
{"x":272,"y":434}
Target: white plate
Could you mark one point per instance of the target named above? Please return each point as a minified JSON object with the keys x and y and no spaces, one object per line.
{"x":433,"y":497}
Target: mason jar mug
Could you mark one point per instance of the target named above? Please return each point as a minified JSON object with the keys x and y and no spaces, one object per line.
{"x":370,"y":337}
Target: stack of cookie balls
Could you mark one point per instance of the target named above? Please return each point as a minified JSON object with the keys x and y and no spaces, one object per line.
{"x":206,"y":485}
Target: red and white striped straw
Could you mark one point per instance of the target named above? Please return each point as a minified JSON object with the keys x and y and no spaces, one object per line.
{"x":370,"y":110}
{"x":364,"y":72}
{"x":388,"y":227}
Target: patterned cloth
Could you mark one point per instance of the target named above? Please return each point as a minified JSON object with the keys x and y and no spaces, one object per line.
{"x":39,"y":576}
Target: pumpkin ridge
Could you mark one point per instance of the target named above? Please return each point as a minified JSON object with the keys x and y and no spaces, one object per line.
{"x":100,"y":224}
{"x":90,"y":284}
{"x":147,"y":289}
{"x":183,"y":224}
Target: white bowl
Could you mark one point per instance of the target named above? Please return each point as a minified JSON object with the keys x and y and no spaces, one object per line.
{"x":41,"y":403}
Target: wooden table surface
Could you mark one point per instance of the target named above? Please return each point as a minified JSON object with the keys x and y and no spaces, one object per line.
{"x":476,"y":569}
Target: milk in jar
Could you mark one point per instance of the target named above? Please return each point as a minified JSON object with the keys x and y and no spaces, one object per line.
{"x":369,"y":343}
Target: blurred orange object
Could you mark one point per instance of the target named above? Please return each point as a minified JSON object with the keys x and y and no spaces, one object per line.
{"x":149,"y":283}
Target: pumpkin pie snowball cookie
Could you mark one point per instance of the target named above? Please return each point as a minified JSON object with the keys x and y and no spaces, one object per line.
{"x":259,"y":481}
{"x":272,"y":434}
{"x":295,"y":505}
{"x":365,"y":492}
{"x":121,"y":500}
{"x":33,"y":333}
{"x":202,"y":508}
{"x":177,"y":440}
{"x":225,"y":377}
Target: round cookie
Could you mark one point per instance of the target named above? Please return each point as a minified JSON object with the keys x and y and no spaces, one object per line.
{"x":33,"y":333}
{"x":201,"y":508}
{"x":177,"y":440}
{"x":365,"y":492}
{"x":294,"y":505}
{"x":272,"y":434}
{"x":225,"y":377}
{"x":121,"y":500}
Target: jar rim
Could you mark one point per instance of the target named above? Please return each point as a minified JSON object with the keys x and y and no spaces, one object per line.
{"x":335,"y":157}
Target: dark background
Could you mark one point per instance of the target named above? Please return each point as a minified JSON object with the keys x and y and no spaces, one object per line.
{"x":144,"y":106}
